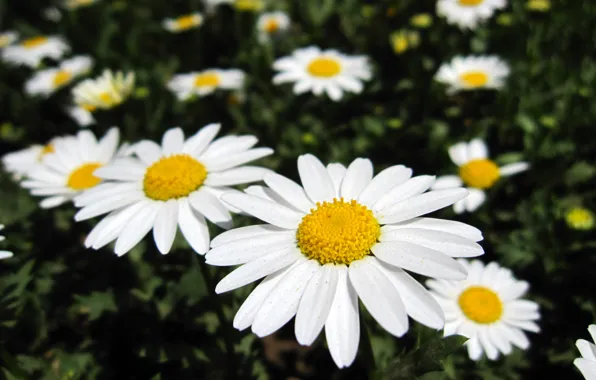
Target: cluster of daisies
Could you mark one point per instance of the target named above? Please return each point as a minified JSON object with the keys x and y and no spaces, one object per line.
{"x":341,"y":235}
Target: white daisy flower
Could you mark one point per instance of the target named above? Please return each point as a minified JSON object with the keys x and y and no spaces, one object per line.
{"x":476,"y":171}
{"x":183,"y":23}
{"x":175,"y":184}
{"x":587,"y":363}
{"x":45,"y":82}
{"x":30,"y":52}
{"x":106,"y":91}
{"x":21,"y":162}
{"x":473,"y":73}
{"x":74,"y":4}
{"x":330,"y":71}
{"x":486,"y":307}
{"x":341,"y":236}
{"x":4,"y":254}
{"x":7,"y":38}
{"x":272,"y":24}
{"x":205,"y":82}
{"x":70,"y":169}
{"x":83,"y":115}
{"x":468,"y":13}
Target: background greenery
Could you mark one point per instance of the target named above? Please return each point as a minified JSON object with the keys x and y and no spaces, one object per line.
{"x":71,"y":313}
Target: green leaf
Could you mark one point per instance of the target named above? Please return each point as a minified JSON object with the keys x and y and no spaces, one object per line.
{"x":95,"y":304}
{"x":579,"y":172}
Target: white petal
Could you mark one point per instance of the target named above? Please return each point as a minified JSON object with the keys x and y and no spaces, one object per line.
{"x":290,"y":191}
{"x":315,"y":304}
{"x":517,"y":337}
{"x":282,"y":303}
{"x":136,"y":228}
{"x":106,"y":205}
{"x":586,"y":349}
{"x":447,"y":182}
{"x":475,"y":199}
{"x":418,"y":259}
{"x":477,"y":150}
{"x":110,"y":227}
{"x":104,"y":191}
{"x":400,"y":193}
{"x":243,"y":233}
{"x":449,"y":244}
{"x":122,"y":170}
{"x":236,"y":176}
{"x":512,"y":169}
{"x":172,"y":141}
{"x":379,"y":296}
{"x":193,"y":227}
{"x":450,"y":226}
{"x":147,"y":151}
{"x":474,"y":348}
{"x":315,"y":179}
{"x":196,"y":144}
{"x":489,"y":348}
{"x":263,"y":209}
{"x":166,"y":224}
{"x":358,"y":176}
{"x":337,"y":173}
{"x":211,"y":208}
{"x":218,"y":164}
{"x":459,"y":153}
{"x":382,"y":183}
{"x":586,"y":367}
{"x":495,"y":335}
{"x":250,"y":248}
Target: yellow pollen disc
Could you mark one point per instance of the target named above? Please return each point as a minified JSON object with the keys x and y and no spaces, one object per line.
{"x":207,"y":80}
{"x":34,"y":42}
{"x":580,"y":218}
{"x":186,"y":22}
{"x":480,"y":304}
{"x":61,"y":78}
{"x":470,"y":3}
{"x":88,"y":107}
{"x":338,"y":232}
{"x":324,"y":67}
{"x":109,"y":100}
{"x":173,"y":177}
{"x":480,"y":174}
{"x":271,"y":26}
{"x":82,"y":177}
{"x":474,"y":79}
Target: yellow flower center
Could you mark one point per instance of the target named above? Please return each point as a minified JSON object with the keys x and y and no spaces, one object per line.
{"x":109,"y":100}
{"x":271,"y":26}
{"x":480,"y":174}
{"x":338,"y":232}
{"x":324,"y":67}
{"x":88,"y":107}
{"x":580,"y":218}
{"x":82,"y":177}
{"x":173,"y":177}
{"x":49,"y":148}
{"x":186,"y":22}
{"x":209,"y":79}
{"x":474,"y":79}
{"x":470,"y":3}
{"x":61,"y":78}
{"x":34,"y":42}
{"x":399,"y":42}
{"x":480,"y":304}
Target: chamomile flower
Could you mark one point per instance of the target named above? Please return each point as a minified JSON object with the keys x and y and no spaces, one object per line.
{"x":476,"y":171}
{"x":473,"y":73}
{"x":4,"y":254}
{"x":183,"y":23}
{"x":316,"y":70}
{"x":7,"y":38}
{"x":205,"y":82}
{"x":83,"y":115}
{"x":45,"y":82}
{"x":487,"y":308}
{"x":69,"y":169}
{"x":30,"y":52}
{"x":74,"y":4}
{"x":165,"y":187}
{"x":272,"y":24}
{"x":587,"y":363}
{"x":468,"y":14}
{"x":104,"y":92}
{"x":341,"y":236}
{"x":21,"y":162}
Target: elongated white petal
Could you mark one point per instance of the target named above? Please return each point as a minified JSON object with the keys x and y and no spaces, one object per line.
{"x":105,"y":191}
{"x":196,"y":144}
{"x":449,"y":244}
{"x":358,"y":176}
{"x":250,"y":248}
{"x":382,"y":184}
{"x":218,"y":164}
{"x":110,"y":227}
{"x":315,"y":179}
{"x":263,"y":209}
{"x":433,"y":224}
{"x":147,"y":151}
{"x":459,"y":153}
{"x":421,"y":204}
{"x":236,"y":176}
{"x":136,"y":228}
{"x":336,"y":172}
{"x":408,"y":189}
{"x":172,"y":141}
{"x":122,"y":170}
{"x":477,"y":150}
{"x":193,"y":227}
{"x":290,"y":191}
{"x":211,"y":208}
{"x":104,"y":206}
{"x":243,"y":233}
{"x":447,"y":182}
{"x":166,"y":224}
{"x":512,"y":169}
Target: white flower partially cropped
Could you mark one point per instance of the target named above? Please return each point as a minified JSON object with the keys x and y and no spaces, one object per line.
{"x":473,"y":73}
{"x":341,"y":236}
{"x":468,"y":14}
{"x":318,"y":71}
{"x":205,"y":82}
{"x":177,"y":184}
{"x":183,"y":23}
{"x":45,"y":82}
{"x":272,"y":24}
{"x":486,"y":307}
{"x":69,"y":168}
{"x":7,"y":38}
{"x":82,"y":115}
{"x":74,"y":4}
{"x":587,"y":363}
{"x":476,"y":171}
{"x":30,"y":52}
{"x":21,"y":162}
{"x":4,"y":254}
{"x":104,"y":92}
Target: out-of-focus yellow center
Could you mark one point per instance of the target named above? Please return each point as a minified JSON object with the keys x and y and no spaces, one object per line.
{"x":208,"y":79}
{"x":82,"y":177}
{"x":480,"y":304}
{"x":173,"y":177}
{"x":61,"y":78}
{"x":324,"y":67}
{"x":580,"y":218}
{"x":49,"y":148}
{"x":474,"y":79}
{"x":249,"y":5}
{"x":480,"y":174}
{"x":338,"y":232}
{"x":109,"y":100}
{"x":271,"y":26}
{"x":187,"y":22}
{"x":470,"y":3}
{"x":34,"y":42}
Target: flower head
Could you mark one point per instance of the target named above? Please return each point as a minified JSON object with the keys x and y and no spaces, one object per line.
{"x":468,"y":14}
{"x":31,"y":51}
{"x":165,"y":187}
{"x":4,"y":254}
{"x":341,"y":236}
{"x":272,"y":24}
{"x":107,"y":91}
{"x":473,"y":73}
{"x":476,"y":171}
{"x":205,"y":82}
{"x":21,"y":162}
{"x":183,"y":23}
{"x":587,"y":363}
{"x":487,"y":308}
{"x":47,"y":81}
{"x":580,"y":218}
